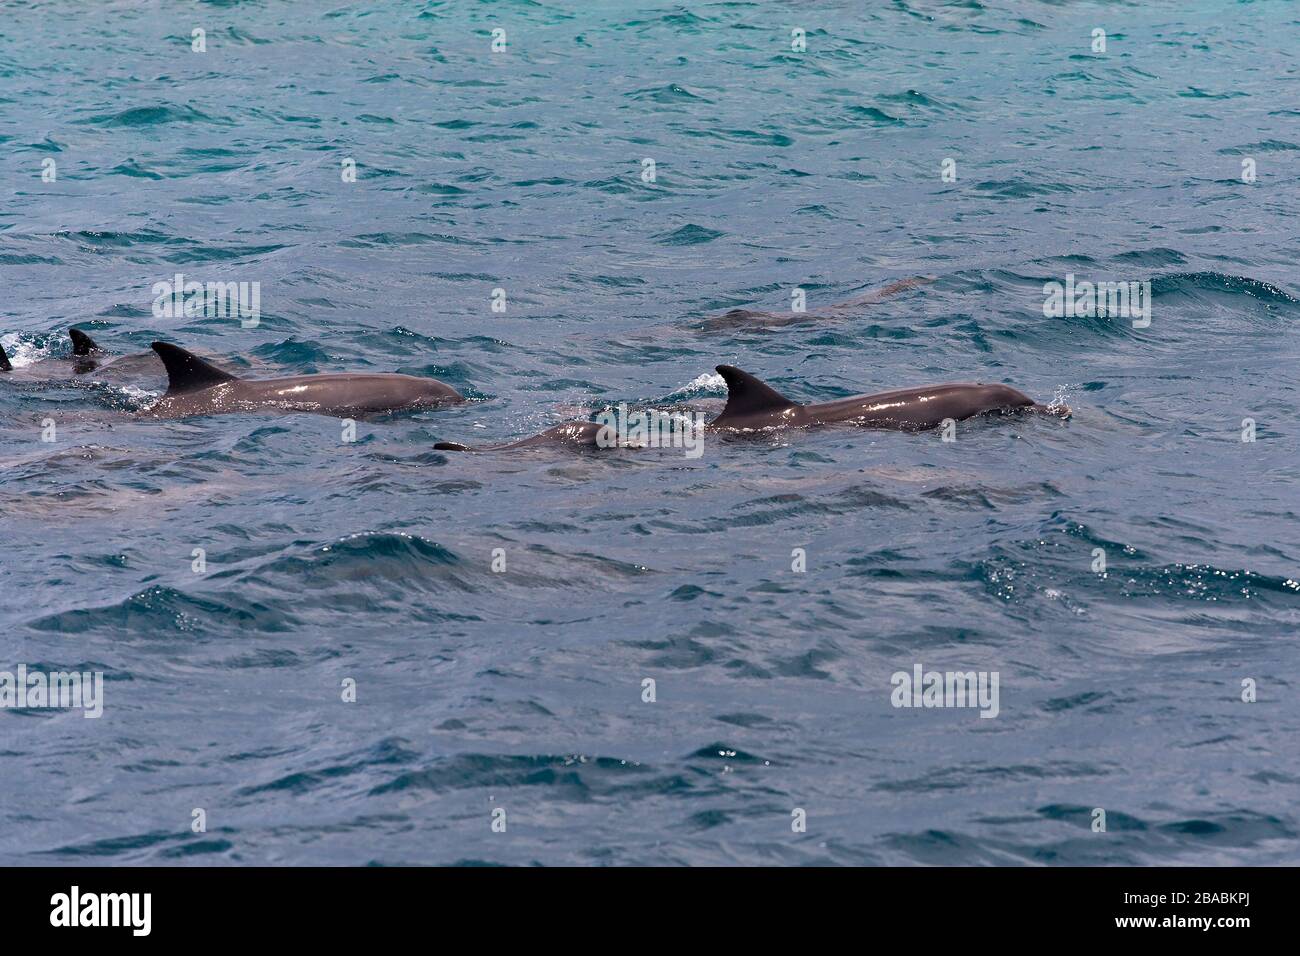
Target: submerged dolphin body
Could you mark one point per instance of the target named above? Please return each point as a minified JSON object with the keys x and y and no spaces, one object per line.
{"x":196,"y":387}
{"x":753,"y":405}
{"x":754,"y":318}
{"x":570,"y":434}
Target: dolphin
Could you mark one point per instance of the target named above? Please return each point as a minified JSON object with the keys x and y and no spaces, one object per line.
{"x":753,"y":405}
{"x":196,"y":387}
{"x":40,"y":371}
{"x":88,"y":363}
{"x":85,"y":358}
{"x":91,"y":362}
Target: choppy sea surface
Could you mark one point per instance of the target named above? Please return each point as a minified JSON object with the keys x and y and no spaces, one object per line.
{"x":518,"y":695}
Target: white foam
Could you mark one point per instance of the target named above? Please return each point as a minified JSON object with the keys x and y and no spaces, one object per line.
{"x":1062,"y":393}
{"x":703,"y":384}
{"x":136,"y":393}
{"x":21,"y":354}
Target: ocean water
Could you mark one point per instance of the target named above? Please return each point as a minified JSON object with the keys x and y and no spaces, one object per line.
{"x":485,"y":696}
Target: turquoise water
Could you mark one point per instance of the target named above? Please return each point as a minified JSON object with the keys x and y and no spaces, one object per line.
{"x":521,"y":690}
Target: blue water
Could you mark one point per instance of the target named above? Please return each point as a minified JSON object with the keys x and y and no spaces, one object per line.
{"x":521,"y":691}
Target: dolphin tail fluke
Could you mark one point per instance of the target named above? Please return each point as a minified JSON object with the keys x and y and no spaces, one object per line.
{"x":450,"y":446}
{"x":747,"y":395}
{"x":82,"y":344}
{"x":186,"y":372}
{"x":4,"y":361}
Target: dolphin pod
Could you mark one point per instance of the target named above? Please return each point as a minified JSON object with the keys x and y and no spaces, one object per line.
{"x":753,"y":406}
{"x":197,"y":387}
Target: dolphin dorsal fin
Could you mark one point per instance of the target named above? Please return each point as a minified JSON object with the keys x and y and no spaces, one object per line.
{"x":186,"y":372}
{"x":746,"y":395}
{"x":4,"y":361}
{"x":82,"y":344}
